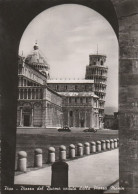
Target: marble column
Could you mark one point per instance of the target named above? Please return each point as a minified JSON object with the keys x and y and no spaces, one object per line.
{"x":73,"y":118}
{"x":91,"y":119}
{"x":30,"y":93}
{"x":32,"y":118}
{"x":23,"y":82}
{"x":68,"y":119}
{"x":38,"y":93}
{"x":19,"y":96}
{"x":79,"y":118}
{"x":26,"y":93}
{"x":84,"y":118}
{"x":23,"y":93}
{"x":21,"y":117}
{"x":34,"y":93}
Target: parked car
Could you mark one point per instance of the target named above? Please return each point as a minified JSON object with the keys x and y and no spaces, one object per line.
{"x":66,"y":129}
{"x":90,"y":130}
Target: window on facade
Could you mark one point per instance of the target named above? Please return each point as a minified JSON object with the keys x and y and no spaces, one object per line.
{"x":69,"y":100}
{"x":101,"y":62}
{"x":28,"y":83}
{"x":81,"y":100}
{"x":57,"y":87}
{"x":71,"y":113}
{"x":41,"y":93}
{"x":76,"y":100}
{"x":66,"y":87}
{"x":25,"y":94}
{"x":21,"y":94}
{"x":76,"y":87}
{"x":86,"y":100}
{"x":20,"y":70}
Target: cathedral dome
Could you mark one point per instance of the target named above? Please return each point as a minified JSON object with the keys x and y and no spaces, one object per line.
{"x":38,"y":61}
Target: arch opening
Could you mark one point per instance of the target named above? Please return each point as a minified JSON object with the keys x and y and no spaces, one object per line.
{"x":14,"y":34}
{"x":67,"y":43}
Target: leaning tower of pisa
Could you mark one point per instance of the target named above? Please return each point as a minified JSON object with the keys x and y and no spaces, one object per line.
{"x":97,"y":71}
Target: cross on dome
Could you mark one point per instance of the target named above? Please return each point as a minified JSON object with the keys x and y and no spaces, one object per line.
{"x":36,"y":46}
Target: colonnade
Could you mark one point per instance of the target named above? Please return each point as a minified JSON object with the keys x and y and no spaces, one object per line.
{"x":100,"y":95}
{"x":98,"y":71}
{"x":27,"y":82}
{"x":76,"y":118}
{"x":98,"y":79}
{"x":72,"y":119}
{"x":30,"y":93}
{"x":100,"y":88}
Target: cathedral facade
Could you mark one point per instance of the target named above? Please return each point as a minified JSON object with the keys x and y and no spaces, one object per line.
{"x":48,"y":103}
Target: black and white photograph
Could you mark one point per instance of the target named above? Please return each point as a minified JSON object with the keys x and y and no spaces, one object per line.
{"x":68,"y":101}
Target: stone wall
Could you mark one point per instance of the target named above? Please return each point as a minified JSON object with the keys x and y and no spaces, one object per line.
{"x":52,"y":108}
{"x":127,"y":13}
{"x":37,"y":115}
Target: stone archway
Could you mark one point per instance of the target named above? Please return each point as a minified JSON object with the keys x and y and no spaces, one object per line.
{"x":14,"y":22}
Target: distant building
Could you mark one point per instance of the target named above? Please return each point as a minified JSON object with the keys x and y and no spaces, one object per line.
{"x":111,"y":121}
{"x":43,"y":102}
{"x":80,"y":104}
{"x":38,"y":105}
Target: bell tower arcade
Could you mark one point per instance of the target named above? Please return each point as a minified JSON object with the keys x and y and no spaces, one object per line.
{"x":97,"y":71}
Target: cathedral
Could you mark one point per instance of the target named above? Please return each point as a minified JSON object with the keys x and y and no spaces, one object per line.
{"x":49,"y":103}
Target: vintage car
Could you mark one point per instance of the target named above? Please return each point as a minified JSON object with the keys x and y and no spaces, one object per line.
{"x":65,"y":129}
{"x":90,"y":130}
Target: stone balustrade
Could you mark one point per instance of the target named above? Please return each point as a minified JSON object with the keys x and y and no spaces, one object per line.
{"x":80,"y":151}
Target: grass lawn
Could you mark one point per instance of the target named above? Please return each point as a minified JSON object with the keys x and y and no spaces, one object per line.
{"x":29,"y":142}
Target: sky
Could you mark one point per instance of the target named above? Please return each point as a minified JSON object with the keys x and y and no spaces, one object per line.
{"x":66,"y":35}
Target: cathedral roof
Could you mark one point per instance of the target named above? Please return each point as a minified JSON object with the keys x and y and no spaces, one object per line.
{"x":78,"y":94}
{"x":36,"y":58}
{"x":70,"y":81}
